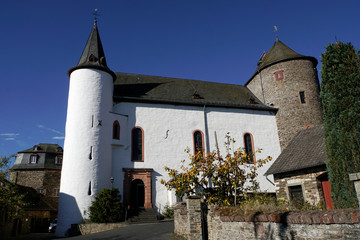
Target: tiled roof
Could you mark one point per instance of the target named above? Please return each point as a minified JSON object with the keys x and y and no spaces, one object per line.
{"x":145,"y":88}
{"x":306,"y":150}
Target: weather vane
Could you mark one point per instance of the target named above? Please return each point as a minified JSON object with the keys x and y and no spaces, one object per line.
{"x":276,"y":30}
{"x":95,"y":13}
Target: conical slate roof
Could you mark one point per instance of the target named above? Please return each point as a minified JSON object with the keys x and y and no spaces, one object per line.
{"x":93,"y":55}
{"x":279,"y":51}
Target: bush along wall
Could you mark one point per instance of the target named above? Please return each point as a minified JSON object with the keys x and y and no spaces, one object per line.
{"x":335,"y":224}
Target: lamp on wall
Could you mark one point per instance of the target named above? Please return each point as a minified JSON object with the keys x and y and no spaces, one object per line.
{"x":112,"y":181}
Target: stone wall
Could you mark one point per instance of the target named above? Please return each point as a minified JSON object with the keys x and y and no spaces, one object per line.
{"x":187,"y":218}
{"x":307,"y":178}
{"x":298,"y":75}
{"x":335,"y":224}
{"x":89,"y":228}
{"x":45,"y":179}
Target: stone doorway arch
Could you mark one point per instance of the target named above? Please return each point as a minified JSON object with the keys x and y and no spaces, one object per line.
{"x":138,"y":187}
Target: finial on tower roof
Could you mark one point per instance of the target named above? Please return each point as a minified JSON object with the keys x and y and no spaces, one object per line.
{"x":276,"y":30}
{"x":95,"y":13}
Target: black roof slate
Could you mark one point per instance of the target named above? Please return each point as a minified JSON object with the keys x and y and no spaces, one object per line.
{"x":154,"y":89}
{"x":306,"y":150}
{"x":93,"y":55}
{"x":279,"y":52}
{"x":46,"y":153}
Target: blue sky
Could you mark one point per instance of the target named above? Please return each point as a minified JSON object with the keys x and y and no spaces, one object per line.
{"x":218,"y":41}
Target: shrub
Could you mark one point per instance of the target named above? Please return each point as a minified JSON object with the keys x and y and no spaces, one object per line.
{"x":168,"y":212}
{"x":107,"y":207}
{"x":266,"y":204}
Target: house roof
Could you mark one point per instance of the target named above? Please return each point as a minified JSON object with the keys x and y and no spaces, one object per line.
{"x":154,"y":89}
{"x":43,"y":147}
{"x":279,"y":52}
{"x":46,"y":155}
{"x":93,"y":55}
{"x":306,"y":150}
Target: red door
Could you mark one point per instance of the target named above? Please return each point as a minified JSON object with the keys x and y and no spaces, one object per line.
{"x":327,"y":194}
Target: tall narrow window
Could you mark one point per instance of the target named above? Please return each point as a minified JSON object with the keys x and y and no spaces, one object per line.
{"x":137,"y":145}
{"x":302,"y":97}
{"x":198,"y":141}
{"x":89,"y":189}
{"x":249,"y":147}
{"x":116,"y":130}
{"x":90,"y":154}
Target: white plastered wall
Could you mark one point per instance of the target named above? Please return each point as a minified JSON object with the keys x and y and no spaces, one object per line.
{"x":88,"y":127}
{"x":168,"y":130}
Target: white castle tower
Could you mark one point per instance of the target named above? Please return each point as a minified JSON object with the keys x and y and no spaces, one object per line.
{"x":86,"y":166}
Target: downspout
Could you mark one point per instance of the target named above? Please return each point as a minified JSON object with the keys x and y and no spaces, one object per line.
{"x":207,"y":144}
{"x":261,"y":84}
{"x":266,"y":176}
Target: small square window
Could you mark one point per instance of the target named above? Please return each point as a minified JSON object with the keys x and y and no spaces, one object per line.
{"x":58,"y":160}
{"x":302,"y":97}
{"x":279,"y":75}
{"x":56,"y":192}
{"x":296,"y":194}
{"x":40,"y":190}
{"x":33,"y":159}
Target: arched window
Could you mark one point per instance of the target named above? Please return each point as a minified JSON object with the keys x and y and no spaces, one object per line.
{"x":116,"y":130}
{"x":198,"y":141}
{"x":137,"y":141}
{"x":249,"y":147}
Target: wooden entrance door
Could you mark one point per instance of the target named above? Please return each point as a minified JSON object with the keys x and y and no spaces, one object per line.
{"x":327,"y":194}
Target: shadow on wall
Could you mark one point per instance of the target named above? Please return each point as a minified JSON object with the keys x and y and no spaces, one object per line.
{"x":69,"y":216}
{"x":270,"y":232}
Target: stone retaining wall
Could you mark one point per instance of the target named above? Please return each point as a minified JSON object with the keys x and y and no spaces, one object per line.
{"x":89,"y":228}
{"x":335,"y":224}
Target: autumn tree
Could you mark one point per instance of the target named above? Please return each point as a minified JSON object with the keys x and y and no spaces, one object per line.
{"x":340,"y":94}
{"x":220,"y":179}
{"x":12,"y":198}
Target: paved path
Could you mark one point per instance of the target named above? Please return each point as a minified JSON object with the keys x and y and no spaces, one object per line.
{"x":151,"y":231}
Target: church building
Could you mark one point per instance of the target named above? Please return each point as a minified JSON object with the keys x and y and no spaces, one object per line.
{"x":122,"y":129}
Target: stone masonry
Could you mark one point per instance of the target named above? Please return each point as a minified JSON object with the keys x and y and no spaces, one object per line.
{"x":310,"y":225}
{"x":298,"y":75}
{"x":307,"y":178}
{"x":45,"y":179}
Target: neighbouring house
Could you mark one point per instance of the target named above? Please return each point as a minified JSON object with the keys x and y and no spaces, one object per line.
{"x":122,"y":128}
{"x":38,"y":169}
{"x":300,"y":170}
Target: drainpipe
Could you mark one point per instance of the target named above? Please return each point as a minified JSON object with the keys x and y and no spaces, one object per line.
{"x":261,"y":83}
{"x":266,"y":176}
{"x":207,"y":144}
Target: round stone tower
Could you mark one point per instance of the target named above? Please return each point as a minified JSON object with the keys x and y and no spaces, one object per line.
{"x":87,"y":148}
{"x":288,"y":81}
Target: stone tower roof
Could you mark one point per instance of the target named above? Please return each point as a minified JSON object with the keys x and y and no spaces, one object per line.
{"x":279,"y":52}
{"x":93,"y":55}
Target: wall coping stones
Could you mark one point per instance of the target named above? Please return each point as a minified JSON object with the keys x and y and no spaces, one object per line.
{"x":339,"y":216}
